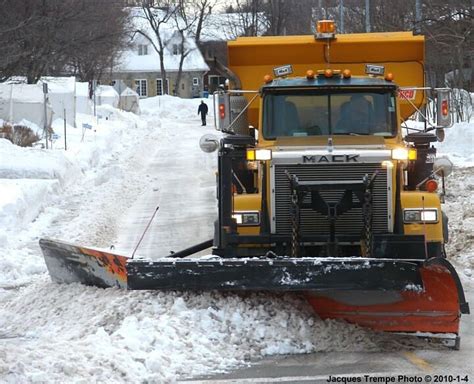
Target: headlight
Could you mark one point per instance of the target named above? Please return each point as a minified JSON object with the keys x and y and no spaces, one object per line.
{"x":404,"y":154}
{"x":418,"y":215}
{"x":247,"y":218}
{"x":259,"y":154}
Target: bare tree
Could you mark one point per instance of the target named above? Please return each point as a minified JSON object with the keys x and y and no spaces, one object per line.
{"x":93,"y":49}
{"x":188,"y":20}
{"x":157,"y":13}
{"x":246,"y":18}
{"x":288,"y":17}
{"x":446,"y":25}
{"x":46,"y":37}
{"x":199,"y":11}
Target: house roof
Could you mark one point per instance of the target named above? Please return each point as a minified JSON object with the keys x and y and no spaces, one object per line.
{"x":131,"y":61}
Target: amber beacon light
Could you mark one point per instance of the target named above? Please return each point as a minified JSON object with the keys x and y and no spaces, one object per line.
{"x":326,"y":26}
{"x":325,"y":29}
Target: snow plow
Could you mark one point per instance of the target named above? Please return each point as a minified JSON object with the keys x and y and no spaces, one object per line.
{"x":319,"y":191}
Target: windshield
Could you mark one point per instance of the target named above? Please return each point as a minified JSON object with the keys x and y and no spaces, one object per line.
{"x":329,"y":112}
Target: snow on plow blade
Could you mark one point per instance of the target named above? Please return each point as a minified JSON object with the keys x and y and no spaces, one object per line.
{"x":383,"y":294}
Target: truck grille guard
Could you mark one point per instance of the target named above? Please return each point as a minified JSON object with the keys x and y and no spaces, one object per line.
{"x":362,"y":189}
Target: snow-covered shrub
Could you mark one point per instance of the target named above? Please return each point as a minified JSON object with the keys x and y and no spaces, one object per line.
{"x":18,"y":134}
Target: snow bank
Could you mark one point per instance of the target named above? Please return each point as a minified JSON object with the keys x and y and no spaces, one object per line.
{"x":459,"y":144}
{"x":33,"y":185}
{"x":23,"y":199}
{"x":33,"y":163}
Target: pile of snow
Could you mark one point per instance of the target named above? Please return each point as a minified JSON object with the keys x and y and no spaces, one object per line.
{"x":43,"y":191}
{"x":459,"y":144}
{"x":144,"y":336}
{"x":33,"y":163}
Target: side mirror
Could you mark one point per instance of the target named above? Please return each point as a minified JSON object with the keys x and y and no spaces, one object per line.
{"x":208,"y":143}
{"x":443,"y":115}
{"x":442,"y":166}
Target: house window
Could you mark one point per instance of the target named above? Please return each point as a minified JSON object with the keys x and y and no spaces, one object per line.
{"x":159,"y":87}
{"x":214,"y":82}
{"x":195,"y":80}
{"x":141,"y":87}
{"x":142,"y":50}
{"x":177,"y":49}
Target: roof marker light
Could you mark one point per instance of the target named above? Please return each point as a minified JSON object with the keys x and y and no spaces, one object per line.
{"x":328,"y":73}
{"x":267,"y":79}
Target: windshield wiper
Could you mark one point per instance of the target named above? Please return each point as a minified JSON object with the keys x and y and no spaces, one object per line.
{"x":348,"y":134}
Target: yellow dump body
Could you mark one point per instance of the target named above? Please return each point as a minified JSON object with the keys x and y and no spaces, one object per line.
{"x":402,"y":54}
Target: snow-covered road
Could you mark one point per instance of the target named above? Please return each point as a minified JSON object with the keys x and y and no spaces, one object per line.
{"x":73,"y":333}
{"x":183,"y":186}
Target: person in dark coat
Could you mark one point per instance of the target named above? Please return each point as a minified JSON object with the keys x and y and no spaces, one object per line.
{"x":203,"y":111}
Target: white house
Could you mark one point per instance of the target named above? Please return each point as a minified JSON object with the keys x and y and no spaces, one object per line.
{"x":139,"y":66}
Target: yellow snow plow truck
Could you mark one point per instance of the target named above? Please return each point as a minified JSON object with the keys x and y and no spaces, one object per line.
{"x":320,"y":190}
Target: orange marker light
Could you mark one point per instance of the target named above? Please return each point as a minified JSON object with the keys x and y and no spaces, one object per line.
{"x":328,"y":73}
{"x":431,"y":185}
{"x":346,"y":73}
{"x":310,"y":74}
{"x":267,"y":79}
{"x":389,"y":76}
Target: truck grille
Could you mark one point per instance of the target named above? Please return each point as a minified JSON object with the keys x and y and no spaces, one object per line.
{"x":313,"y":223}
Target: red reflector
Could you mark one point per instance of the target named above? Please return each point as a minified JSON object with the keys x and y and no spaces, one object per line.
{"x":444,"y":107}
{"x":431,"y":185}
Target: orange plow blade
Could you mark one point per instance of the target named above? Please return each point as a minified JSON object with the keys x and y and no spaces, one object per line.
{"x":435,"y":307}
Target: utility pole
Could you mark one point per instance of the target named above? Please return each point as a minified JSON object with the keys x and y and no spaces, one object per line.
{"x":323,"y":11}
{"x":45,"y":100}
{"x":367,"y":15}
{"x":341,"y":15}
{"x":418,"y":16}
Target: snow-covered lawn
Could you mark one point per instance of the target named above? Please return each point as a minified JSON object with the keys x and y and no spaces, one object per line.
{"x":73,"y":333}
